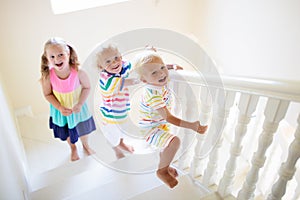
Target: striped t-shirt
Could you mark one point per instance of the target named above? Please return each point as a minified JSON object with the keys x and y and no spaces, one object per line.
{"x":115,"y":96}
{"x":153,"y":98}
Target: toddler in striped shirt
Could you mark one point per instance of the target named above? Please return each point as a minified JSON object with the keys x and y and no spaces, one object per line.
{"x":115,"y":102}
{"x":155,"y":116}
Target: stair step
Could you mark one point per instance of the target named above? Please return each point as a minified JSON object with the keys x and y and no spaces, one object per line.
{"x":89,"y":175}
{"x":186,"y":189}
{"x":132,"y":177}
{"x":62,"y":186}
{"x":62,"y":172}
{"x":139,"y":163}
{"x":125,"y":186}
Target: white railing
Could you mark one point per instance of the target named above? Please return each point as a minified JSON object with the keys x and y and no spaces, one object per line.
{"x":244,"y":117}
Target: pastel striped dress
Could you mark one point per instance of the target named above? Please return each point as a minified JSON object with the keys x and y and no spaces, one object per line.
{"x":115,"y":102}
{"x":67,"y":91}
{"x":153,"y":126}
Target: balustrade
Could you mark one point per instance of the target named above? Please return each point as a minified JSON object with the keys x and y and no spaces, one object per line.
{"x":247,"y":93}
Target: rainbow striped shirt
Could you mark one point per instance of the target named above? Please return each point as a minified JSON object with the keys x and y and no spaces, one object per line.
{"x":153,"y":98}
{"x":115,"y":96}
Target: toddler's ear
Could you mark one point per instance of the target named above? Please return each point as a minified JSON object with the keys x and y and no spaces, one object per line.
{"x":99,"y":66}
{"x":142,"y":79}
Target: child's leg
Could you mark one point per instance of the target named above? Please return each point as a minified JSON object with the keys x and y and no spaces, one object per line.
{"x":85,"y":144}
{"x":118,"y":152}
{"x":122,"y":146}
{"x":74,"y":153}
{"x":125,"y":147}
{"x":165,"y":172}
{"x":114,"y":136}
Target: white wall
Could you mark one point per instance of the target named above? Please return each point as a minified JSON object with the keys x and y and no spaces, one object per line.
{"x":27,"y":24}
{"x":257,"y":38}
{"x":249,"y":38}
{"x":13,"y":166}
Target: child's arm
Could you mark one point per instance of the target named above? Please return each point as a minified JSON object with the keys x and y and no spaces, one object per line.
{"x":85,"y":90}
{"x":47,"y":91}
{"x":131,"y":81}
{"x":174,"y":66}
{"x":196,"y":126}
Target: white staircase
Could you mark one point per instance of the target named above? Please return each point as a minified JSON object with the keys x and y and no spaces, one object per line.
{"x":89,"y":179}
{"x":257,"y":115}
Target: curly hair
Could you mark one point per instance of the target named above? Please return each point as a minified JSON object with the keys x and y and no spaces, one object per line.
{"x":73,"y":61}
{"x":102,"y":49}
{"x":147,"y":56}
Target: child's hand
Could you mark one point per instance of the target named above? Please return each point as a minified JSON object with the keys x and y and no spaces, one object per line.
{"x":65,"y":111}
{"x":152,"y":48}
{"x":174,"y":66}
{"x":131,"y":81}
{"x":77,"y":108}
{"x":198,"y":128}
{"x":177,"y":67}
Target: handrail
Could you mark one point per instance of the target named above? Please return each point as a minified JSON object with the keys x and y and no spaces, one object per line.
{"x":282,"y":89}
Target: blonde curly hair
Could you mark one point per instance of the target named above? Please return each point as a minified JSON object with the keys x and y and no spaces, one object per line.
{"x":143,"y":58}
{"x":73,"y":61}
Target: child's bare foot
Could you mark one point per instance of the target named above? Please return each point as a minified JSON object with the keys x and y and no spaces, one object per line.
{"x":173,"y":172}
{"x":74,"y":155}
{"x":120,"y":155}
{"x":126,"y":147}
{"x":164,"y":175}
{"x":89,"y":151}
{"x":118,"y":152}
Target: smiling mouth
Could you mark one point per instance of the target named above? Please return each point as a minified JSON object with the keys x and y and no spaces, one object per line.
{"x":59,"y":65}
{"x":116,"y":67}
{"x":162,"y":80}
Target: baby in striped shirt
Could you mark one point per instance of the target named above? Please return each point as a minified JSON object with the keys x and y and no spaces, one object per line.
{"x":155,"y":116}
{"x":115,"y":102}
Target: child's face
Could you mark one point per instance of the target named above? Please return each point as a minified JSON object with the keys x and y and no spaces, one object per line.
{"x":155,"y":73}
{"x":111,"y":61}
{"x":58,"y":57}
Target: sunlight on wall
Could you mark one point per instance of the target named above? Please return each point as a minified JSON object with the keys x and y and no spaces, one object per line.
{"x":65,"y":6}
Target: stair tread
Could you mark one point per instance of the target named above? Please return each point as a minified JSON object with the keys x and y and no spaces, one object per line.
{"x":185,"y":189}
{"x":62,"y":187}
{"x":124,"y":187}
{"x":90,"y":173}
{"x":89,"y":179}
{"x":59,"y":173}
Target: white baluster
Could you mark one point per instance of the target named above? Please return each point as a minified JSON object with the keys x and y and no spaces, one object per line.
{"x":178,"y":102}
{"x":297,"y":190}
{"x":287,"y":169}
{"x":219,"y":120}
{"x":274,"y":113}
{"x":205,"y":110}
{"x":180,"y":109}
{"x":189,"y":113}
{"x":247,"y":105}
{"x":210,"y":172}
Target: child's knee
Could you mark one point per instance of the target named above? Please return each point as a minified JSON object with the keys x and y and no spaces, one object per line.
{"x":175,"y":142}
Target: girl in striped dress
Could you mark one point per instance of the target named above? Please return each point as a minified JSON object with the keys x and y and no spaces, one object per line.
{"x":115,"y":104}
{"x":155,"y":113}
{"x":66,"y":88}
